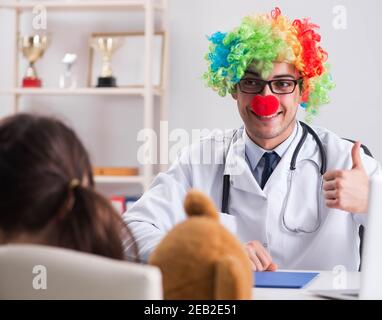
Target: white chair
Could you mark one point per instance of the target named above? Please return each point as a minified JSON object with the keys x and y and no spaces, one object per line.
{"x":44,"y":272}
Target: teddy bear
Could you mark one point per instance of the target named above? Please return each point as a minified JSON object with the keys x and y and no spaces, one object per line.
{"x":200,"y":259}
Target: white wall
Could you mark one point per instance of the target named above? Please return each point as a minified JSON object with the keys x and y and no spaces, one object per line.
{"x":108,"y":126}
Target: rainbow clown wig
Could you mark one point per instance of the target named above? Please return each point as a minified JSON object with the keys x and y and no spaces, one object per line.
{"x":263,"y":39}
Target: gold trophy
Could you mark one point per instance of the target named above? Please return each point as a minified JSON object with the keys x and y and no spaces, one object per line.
{"x":33,"y":48}
{"x":106,"y":46}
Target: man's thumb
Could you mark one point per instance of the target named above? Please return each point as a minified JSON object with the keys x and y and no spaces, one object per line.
{"x":356,"y":156}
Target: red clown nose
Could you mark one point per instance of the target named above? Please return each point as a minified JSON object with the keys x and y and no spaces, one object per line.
{"x":265,"y":106}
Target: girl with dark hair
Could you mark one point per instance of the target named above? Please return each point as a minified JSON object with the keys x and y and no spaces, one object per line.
{"x":47,"y":193}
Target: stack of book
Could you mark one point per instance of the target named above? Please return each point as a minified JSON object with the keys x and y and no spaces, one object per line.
{"x":123,"y":203}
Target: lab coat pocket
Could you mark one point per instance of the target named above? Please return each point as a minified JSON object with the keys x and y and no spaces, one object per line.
{"x":228,"y":221}
{"x":303,"y":199}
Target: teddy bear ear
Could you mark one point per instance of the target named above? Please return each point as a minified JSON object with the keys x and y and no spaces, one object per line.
{"x":198,"y":204}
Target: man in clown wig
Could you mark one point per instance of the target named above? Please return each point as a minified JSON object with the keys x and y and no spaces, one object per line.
{"x":295,"y":195}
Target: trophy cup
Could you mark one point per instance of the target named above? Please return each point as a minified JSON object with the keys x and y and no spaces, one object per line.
{"x":32,"y":48}
{"x":67,"y":79}
{"x":106,"y":46}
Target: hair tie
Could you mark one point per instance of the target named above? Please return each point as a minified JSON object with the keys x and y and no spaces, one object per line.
{"x":74,"y":183}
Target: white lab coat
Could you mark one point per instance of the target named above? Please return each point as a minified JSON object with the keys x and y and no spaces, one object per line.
{"x":255,"y":214}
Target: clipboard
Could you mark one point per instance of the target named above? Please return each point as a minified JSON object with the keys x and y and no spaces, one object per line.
{"x":283,"y":280}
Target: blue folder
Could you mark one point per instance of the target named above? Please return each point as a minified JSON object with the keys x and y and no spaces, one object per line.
{"x":281,"y":279}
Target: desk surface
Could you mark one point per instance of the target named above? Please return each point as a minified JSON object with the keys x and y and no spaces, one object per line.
{"x":326,"y":280}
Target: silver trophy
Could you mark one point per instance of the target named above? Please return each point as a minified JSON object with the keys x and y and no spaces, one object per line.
{"x":68,"y":79}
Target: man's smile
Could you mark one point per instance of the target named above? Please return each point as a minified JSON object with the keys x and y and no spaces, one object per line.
{"x":267,"y":118}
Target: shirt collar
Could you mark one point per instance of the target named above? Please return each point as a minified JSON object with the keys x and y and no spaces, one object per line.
{"x":254,"y":153}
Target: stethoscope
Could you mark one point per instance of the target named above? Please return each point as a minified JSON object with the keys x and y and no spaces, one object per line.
{"x":306,"y":129}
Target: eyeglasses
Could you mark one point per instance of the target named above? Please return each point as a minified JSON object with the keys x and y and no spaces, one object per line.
{"x":278,"y":86}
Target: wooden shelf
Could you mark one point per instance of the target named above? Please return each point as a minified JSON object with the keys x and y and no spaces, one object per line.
{"x":119,"y":179}
{"x":79,"y":5}
{"x":140,"y":91}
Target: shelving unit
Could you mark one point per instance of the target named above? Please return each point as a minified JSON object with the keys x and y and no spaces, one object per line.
{"x":136,"y":91}
{"x":119,"y":179}
{"x":85,"y":5}
{"x":147,"y":91}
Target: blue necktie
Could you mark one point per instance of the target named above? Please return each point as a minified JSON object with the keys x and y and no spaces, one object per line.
{"x":270,"y":159}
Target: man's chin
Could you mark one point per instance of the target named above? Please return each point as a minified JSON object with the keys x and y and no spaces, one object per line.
{"x":267,"y":133}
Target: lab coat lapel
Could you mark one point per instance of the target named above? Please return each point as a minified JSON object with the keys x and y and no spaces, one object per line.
{"x":309,"y":151}
{"x":237,"y":167}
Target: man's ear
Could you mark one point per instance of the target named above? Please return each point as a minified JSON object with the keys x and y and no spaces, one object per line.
{"x":234,"y":95}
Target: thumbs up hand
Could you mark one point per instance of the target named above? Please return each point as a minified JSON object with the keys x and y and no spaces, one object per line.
{"x":348,"y":190}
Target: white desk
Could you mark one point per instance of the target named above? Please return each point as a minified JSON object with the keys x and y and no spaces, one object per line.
{"x":326,"y":280}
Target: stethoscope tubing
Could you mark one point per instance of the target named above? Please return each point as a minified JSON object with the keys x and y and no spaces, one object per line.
{"x":306,"y":129}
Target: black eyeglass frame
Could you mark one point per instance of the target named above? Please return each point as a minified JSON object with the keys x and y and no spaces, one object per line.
{"x":269,"y":83}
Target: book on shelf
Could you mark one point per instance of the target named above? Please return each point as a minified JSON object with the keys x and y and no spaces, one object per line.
{"x":123,"y":203}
